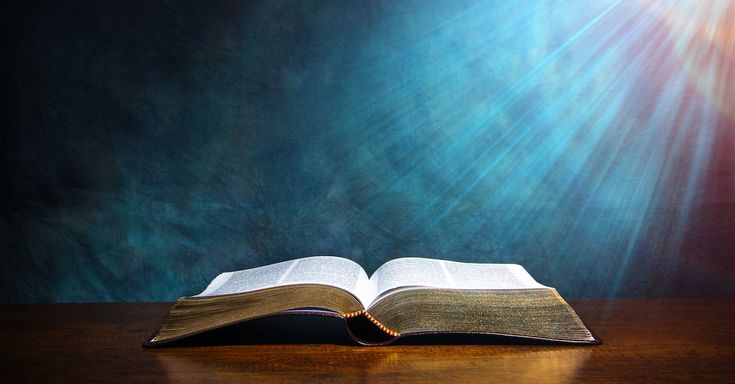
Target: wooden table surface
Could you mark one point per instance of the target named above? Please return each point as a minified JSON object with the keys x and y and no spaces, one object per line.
{"x":672,"y":340}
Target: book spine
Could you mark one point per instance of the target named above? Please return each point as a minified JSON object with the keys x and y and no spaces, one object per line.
{"x":353,"y":314}
{"x":372,"y":320}
{"x":381,"y":326}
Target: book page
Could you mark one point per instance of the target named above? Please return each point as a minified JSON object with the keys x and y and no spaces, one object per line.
{"x":415,"y":271}
{"x":327,"y":270}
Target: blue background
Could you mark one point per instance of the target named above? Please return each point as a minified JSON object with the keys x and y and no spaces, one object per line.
{"x":147,"y":146}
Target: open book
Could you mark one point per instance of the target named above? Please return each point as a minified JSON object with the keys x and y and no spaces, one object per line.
{"x":406,"y":296}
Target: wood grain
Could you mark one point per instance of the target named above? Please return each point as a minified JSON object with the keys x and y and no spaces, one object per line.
{"x":672,"y":340}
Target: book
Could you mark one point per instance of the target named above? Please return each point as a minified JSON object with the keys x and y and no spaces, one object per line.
{"x":403,"y":297}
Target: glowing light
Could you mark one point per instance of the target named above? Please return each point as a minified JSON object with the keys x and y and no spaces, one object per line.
{"x":703,"y":34}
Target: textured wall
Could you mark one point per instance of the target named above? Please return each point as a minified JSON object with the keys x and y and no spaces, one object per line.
{"x":147,"y":146}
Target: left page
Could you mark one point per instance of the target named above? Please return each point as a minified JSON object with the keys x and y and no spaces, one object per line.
{"x":327,"y":270}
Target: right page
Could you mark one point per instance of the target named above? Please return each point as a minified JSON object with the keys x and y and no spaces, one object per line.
{"x":423,"y":272}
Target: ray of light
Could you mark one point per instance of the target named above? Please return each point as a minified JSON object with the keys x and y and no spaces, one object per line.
{"x":580,"y":131}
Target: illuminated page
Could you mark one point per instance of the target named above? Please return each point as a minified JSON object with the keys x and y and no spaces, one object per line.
{"x":421,"y":272}
{"x":327,"y":270}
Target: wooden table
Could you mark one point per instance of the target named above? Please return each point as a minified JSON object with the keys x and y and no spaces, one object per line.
{"x":681,"y":340}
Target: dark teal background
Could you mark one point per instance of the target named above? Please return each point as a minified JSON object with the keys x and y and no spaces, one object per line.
{"x":149,"y":145}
